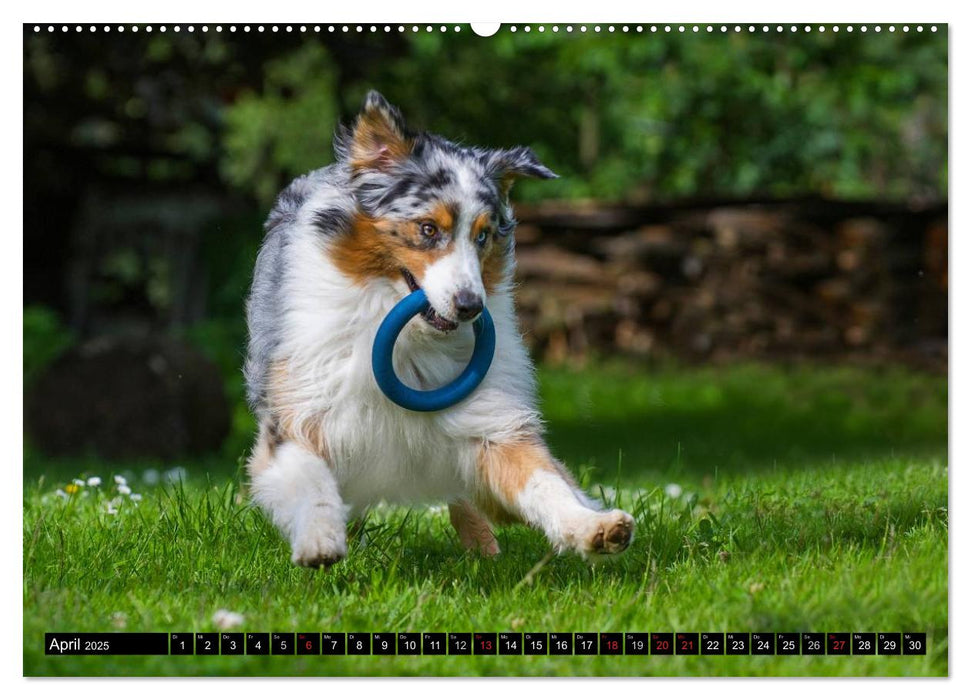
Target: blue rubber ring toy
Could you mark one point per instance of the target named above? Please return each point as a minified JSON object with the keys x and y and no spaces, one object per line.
{"x":434,"y":399}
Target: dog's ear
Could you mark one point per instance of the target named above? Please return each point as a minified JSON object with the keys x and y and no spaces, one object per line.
{"x":379,"y":138}
{"x":507,"y":165}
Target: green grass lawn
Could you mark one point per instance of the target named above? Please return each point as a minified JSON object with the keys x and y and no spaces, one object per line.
{"x":766,"y":499}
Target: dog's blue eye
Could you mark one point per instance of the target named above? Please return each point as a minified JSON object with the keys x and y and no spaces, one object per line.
{"x":483,"y":235}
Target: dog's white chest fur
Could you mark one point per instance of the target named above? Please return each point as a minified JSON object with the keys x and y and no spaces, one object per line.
{"x":377,"y":449}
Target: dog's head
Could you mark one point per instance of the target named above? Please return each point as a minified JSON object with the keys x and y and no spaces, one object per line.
{"x":433,"y":214}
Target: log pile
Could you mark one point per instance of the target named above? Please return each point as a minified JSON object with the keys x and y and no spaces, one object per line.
{"x":735,"y":280}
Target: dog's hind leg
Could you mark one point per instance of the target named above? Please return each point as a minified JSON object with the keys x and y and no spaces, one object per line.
{"x":520,"y":480}
{"x":298,"y":490}
{"x":473,"y":528}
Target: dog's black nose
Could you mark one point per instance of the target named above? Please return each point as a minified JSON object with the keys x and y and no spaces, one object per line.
{"x":468,"y":305}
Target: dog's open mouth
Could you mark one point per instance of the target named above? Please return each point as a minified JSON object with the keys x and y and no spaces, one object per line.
{"x":430,"y":315}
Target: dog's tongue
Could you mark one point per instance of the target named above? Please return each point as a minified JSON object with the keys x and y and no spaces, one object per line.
{"x":437,"y":321}
{"x":429,"y":315}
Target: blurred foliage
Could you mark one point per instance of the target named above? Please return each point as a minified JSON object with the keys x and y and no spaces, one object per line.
{"x":658,"y":116}
{"x":620,"y":116}
{"x":45,"y":338}
{"x":287,"y":126}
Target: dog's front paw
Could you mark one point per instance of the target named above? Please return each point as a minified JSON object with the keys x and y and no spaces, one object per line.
{"x":319,"y":542}
{"x":606,"y":533}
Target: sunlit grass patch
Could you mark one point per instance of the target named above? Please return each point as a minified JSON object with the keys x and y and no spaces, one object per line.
{"x":849,"y":535}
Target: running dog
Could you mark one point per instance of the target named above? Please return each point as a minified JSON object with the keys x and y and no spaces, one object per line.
{"x":400,"y":210}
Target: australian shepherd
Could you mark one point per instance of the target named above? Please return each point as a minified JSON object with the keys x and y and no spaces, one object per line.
{"x":401,"y":210}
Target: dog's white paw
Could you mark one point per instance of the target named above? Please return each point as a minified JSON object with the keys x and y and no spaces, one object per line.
{"x":603,"y":533}
{"x":319,"y":541}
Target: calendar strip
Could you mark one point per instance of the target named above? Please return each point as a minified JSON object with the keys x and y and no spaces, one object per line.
{"x":486,"y":643}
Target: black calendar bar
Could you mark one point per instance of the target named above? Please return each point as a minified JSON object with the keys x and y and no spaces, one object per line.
{"x":511,"y":643}
{"x":283,"y":643}
{"x":686,"y":643}
{"x":106,"y":643}
{"x":637,"y":644}
{"x":434,"y":643}
{"x":486,"y":643}
{"x":308,"y":643}
{"x":181,"y":643}
{"x":459,"y":643}
{"x":333,"y":643}
{"x":915,"y":644}
{"x":838,"y":643}
{"x":662,"y":643}
{"x":763,"y":644}
{"x":864,"y":643}
{"x":536,"y":643}
{"x":713,"y":643}
{"x":409,"y":643}
{"x":787,"y":644}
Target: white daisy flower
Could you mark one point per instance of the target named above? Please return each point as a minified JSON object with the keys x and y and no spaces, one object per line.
{"x":151,"y":476}
{"x":124,"y":490}
{"x":78,"y":482}
{"x":62,"y":494}
{"x":120,"y":480}
{"x":226,"y":619}
{"x":94,"y":481}
{"x":673,"y":490}
{"x":136,"y":497}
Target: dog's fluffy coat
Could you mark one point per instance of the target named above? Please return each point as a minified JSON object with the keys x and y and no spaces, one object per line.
{"x":343,"y":245}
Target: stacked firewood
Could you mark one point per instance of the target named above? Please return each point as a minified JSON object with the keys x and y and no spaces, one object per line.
{"x":775,"y":280}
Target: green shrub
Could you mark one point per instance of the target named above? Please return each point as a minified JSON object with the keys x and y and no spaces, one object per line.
{"x":45,"y":338}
